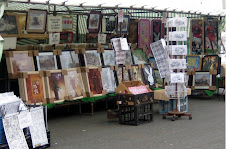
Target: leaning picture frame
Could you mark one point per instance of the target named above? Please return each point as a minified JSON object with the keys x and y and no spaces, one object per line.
{"x":194,"y":62}
{"x":94,"y":21}
{"x":9,"y":25}
{"x":46,"y":61}
{"x":36,"y":21}
{"x":211,"y":62}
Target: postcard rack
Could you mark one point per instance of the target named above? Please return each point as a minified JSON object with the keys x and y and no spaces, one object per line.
{"x":177,"y":49}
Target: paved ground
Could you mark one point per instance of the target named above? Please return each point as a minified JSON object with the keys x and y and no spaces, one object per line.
{"x":205,"y":131}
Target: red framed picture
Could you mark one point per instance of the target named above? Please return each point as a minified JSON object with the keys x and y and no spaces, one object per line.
{"x":94,"y":21}
{"x":66,"y":37}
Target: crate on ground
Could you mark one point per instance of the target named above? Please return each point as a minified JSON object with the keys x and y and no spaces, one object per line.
{"x":166,"y":106}
{"x":135,"y":115}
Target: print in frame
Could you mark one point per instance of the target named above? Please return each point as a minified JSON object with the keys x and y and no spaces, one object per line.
{"x":9,"y":25}
{"x":108,"y":79}
{"x":211,"y":62}
{"x":94,"y":21}
{"x":46,"y":61}
{"x":194,"y":62}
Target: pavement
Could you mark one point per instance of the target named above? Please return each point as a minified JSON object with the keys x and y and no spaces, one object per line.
{"x":206,"y":130}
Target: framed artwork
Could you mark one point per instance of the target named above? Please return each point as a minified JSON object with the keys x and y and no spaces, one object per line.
{"x":149,"y":76}
{"x":151,"y":60}
{"x":32,"y":87}
{"x":67,"y":23}
{"x":19,"y":61}
{"x":211,"y":62}
{"x":202,"y":80}
{"x":69,"y":59}
{"x":36,"y":21}
{"x":94,"y":21}
{"x":66,"y":37}
{"x":197,"y":37}
{"x":125,"y":25}
{"x":46,"y":61}
{"x":133,"y":31}
{"x":211,"y":36}
{"x":128,"y":60}
{"x":136,"y":73}
{"x":9,"y":25}
{"x":110,"y":25}
{"x":108,"y":57}
{"x":74,"y":84}
{"x":194,"y":62}
{"x":92,"y":38}
{"x":159,"y":80}
{"x":144,"y":39}
{"x":92,"y":58}
{"x":55,"y":86}
{"x":139,"y":56}
{"x":108,"y":79}
{"x":125,"y":74}
{"x":157,"y":30}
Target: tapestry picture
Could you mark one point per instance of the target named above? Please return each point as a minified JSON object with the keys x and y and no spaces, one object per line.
{"x":46,"y":61}
{"x":125,"y":74}
{"x":139,"y":56}
{"x":108,"y":79}
{"x":151,"y":60}
{"x":8,"y":25}
{"x":94,"y":21}
{"x":196,"y":39}
{"x":92,"y":38}
{"x":211,"y":62}
{"x":74,"y":84}
{"x":35,"y":88}
{"x":95,"y":81}
{"x":92,"y":58}
{"x":69,"y":59}
{"x":211,"y":36}
{"x":109,"y":57}
{"x":125,"y":25}
{"x":194,"y":62}
{"x":149,"y":76}
{"x":136,"y":74}
{"x":57,"y":86}
{"x":133,"y":31}
{"x":144,"y":39}
{"x":157,"y":30}
{"x":21,"y":61}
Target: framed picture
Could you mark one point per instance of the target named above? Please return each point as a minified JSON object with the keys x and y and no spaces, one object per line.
{"x":139,"y":56}
{"x":94,"y":21}
{"x":67,"y":23}
{"x":149,"y":76}
{"x":46,"y":61}
{"x":203,"y":80}
{"x":133,"y":31}
{"x":108,"y":57}
{"x":92,"y":58}
{"x":108,"y":79}
{"x":69,"y":59}
{"x":110,"y":25}
{"x":19,"y":61}
{"x":211,"y":36}
{"x":66,"y":37}
{"x":93,"y":82}
{"x":55,"y":86}
{"x":159,"y":80}
{"x":157,"y":30}
{"x":136,"y":74}
{"x":151,"y":60}
{"x":36,"y":21}
{"x":74,"y":83}
{"x":144,"y":39}
{"x":125,"y":25}
{"x":211,"y":62}
{"x":128,"y":60}
{"x":197,"y":37}
{"x":194,"y":62}
{"x":126,"y":74}
{"x":92,"y":38}
{"x":9,"y":25}
{"x":32,"y":87}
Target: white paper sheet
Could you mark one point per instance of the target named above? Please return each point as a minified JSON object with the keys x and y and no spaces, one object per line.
{"x":178,"y":36}
{"x":55,"y":23}
{"x":124,"y":44}
{"x":24,"y":119}
{"x":177,"y":64}
{"x":177,"y":22}
{"x":54,"y":38}
{"x":10,"y":43}
{"x":102,"y":38}
{"x":178,"y":49}
{"x":177,"y":77}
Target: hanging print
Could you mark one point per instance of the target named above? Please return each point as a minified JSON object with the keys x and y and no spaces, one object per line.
{"x":196,"y":39}
{"x":211,"y":34}
{"x":157,"y":30}
{"x":144,"y":39}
